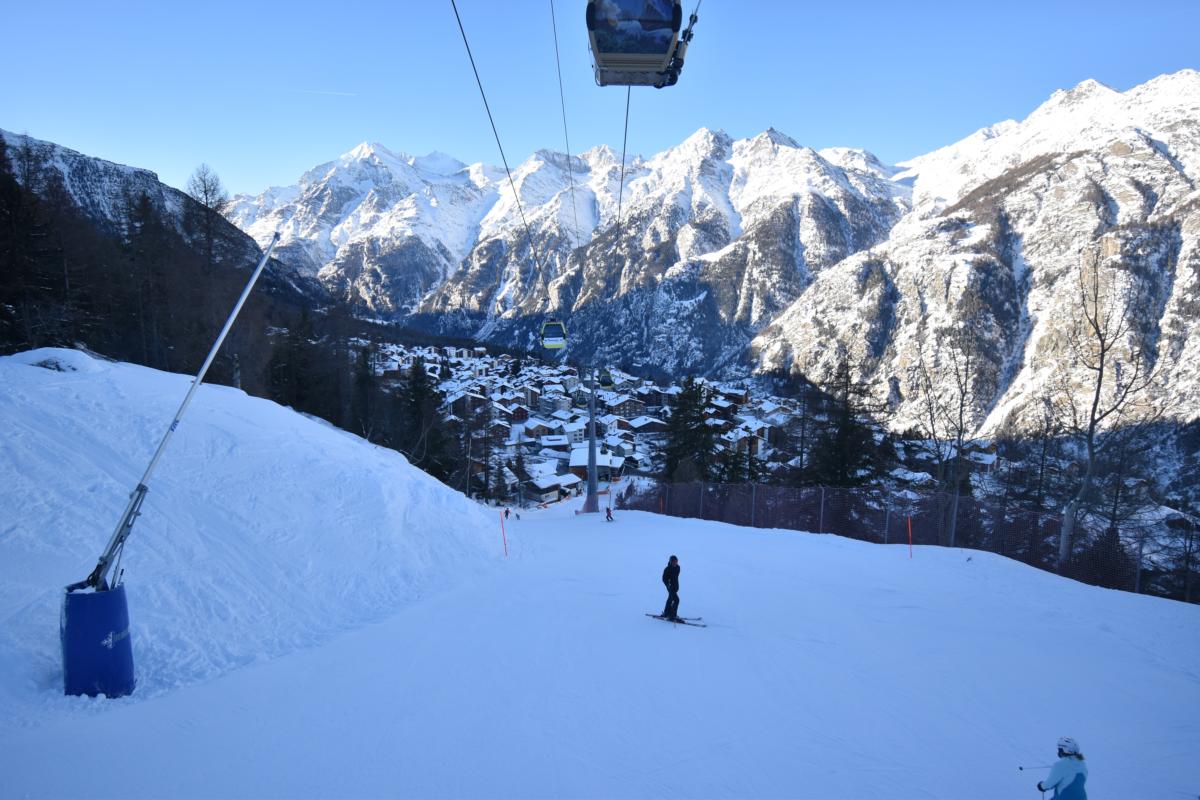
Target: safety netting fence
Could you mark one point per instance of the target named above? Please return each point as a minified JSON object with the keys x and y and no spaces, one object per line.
{"x":1115,"y":558}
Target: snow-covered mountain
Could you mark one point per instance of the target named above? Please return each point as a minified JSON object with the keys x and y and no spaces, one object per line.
{"x":1001,"y":223}
{"x":378,"y":228}
{"x":722,"y":256}
{"x":715,"y":237}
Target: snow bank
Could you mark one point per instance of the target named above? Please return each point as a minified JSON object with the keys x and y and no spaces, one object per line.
{"x":264,"y":531}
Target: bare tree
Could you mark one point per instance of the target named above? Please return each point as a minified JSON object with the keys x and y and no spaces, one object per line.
{"x":205,"y":188}
{"x":947,"y":420}
{"x":1120,"y":370}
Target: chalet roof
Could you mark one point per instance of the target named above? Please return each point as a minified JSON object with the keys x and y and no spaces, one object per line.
{"x":545,"y":482}
{"x":579,"y":458}
{"x":642,"y":421}
{"x":542,"y":467}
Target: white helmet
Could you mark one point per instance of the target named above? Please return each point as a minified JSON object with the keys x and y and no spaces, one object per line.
{"x":1068,"y":746}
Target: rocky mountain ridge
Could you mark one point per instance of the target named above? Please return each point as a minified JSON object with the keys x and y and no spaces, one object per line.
{"x":724,"y":256}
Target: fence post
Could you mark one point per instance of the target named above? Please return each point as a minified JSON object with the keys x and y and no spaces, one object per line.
{"x":821,"y":519}
{"x":753,"y":496}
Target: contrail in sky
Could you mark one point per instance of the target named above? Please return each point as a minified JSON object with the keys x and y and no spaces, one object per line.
{"x":319,"y":91}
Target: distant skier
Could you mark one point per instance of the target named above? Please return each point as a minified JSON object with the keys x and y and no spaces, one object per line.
{"x":608,"y":514}
{"x":1068,"y":775}
{"x":670,"y":579}
{"x":507,"y":511}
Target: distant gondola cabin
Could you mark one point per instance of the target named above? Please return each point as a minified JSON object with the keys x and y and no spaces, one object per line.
{"x":554,"y":334}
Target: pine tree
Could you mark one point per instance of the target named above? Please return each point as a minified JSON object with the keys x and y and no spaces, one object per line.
{"x":420,"y":432}
{"x":364,"y":392}
{"x":845,"y":453}
{"x":690,"y":450}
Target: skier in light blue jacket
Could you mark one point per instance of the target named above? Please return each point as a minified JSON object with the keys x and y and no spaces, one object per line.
{"x":1069,"y":774}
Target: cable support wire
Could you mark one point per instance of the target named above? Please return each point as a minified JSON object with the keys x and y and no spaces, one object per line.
{"x":566,"y":136}
{"x":528,"y":232}
{"x":624,"y":143}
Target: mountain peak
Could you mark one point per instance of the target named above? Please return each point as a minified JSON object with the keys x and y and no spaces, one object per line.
{"x":705,"y":142}
{"x":600,"y":153}
{"x":437,"y":163}
{"x":707,"y":135}
{"x":1086,"y":92}
{"x":363,"y":150}
{"x":775,"y":137}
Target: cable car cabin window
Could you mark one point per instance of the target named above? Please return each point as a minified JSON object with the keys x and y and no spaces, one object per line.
{"x":641,"y":27}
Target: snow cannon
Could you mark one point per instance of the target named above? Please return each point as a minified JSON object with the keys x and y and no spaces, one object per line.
{"x":97,"y":648}
{"x":94,"y":625}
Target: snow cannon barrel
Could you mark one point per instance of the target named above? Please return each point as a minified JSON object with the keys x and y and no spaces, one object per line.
{"x":97,"y":649}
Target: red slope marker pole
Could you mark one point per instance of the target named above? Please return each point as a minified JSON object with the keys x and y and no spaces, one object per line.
{"x":503,"y":537}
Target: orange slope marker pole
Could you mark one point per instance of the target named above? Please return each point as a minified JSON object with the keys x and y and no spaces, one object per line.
{"x":503,"y":537}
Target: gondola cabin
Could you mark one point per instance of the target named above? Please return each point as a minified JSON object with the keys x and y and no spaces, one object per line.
{"x":554,"y":334}
{"x":636,"y":42}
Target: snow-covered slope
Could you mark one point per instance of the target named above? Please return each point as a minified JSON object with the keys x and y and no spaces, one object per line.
{"x":830,"y":669}
{"x":264,"y":531}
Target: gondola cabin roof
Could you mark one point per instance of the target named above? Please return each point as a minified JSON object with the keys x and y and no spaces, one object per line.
{"x":634,"y":41}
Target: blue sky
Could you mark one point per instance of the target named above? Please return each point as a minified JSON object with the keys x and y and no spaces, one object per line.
{"x":263,"y":91}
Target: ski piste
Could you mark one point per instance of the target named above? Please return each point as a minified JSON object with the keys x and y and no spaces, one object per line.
{"x":680,"y":620}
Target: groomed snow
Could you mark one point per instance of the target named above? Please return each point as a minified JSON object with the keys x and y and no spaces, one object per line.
{"x":830,"y":668}
{"x":264,"y":531}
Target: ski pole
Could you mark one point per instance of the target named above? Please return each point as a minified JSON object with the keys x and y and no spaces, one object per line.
{"x":1039,"y":766}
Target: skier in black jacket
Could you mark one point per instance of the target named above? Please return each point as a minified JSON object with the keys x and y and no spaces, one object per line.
{"x":670,"y":579}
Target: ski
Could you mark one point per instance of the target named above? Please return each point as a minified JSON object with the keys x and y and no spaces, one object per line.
{"x":680,"y":620}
